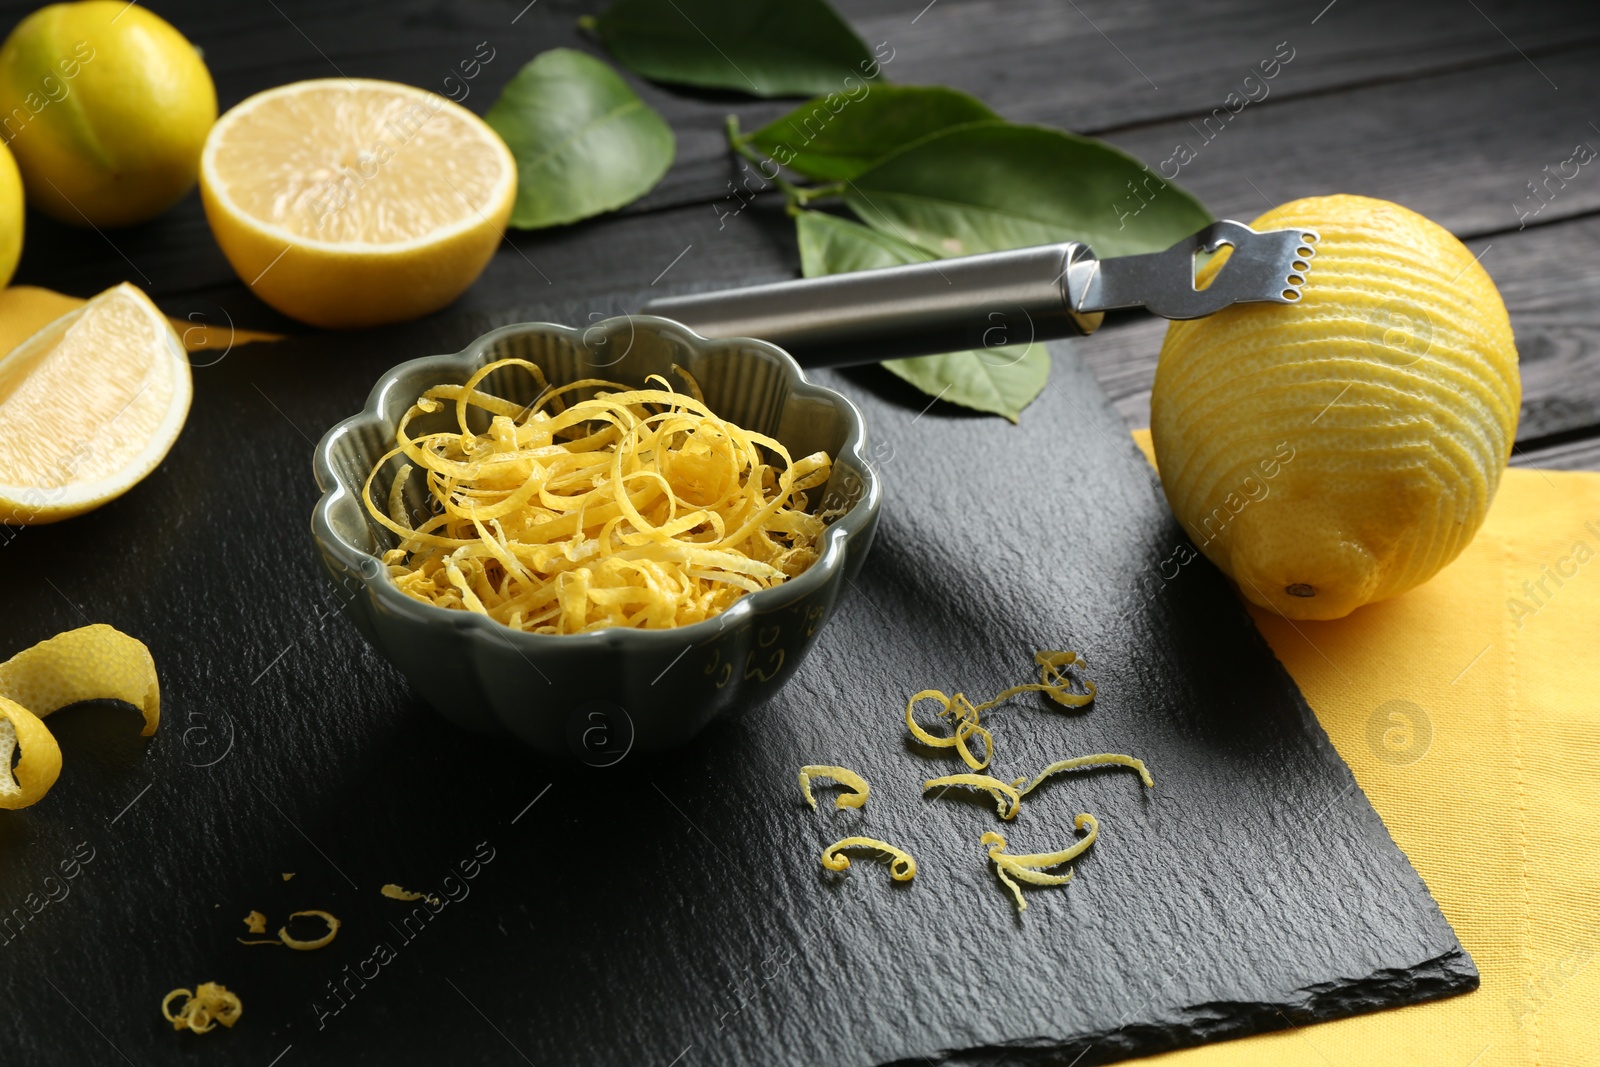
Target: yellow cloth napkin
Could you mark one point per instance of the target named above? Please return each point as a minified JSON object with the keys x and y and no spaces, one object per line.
{"x":1469,"y":710}
{"x":26,"y":309}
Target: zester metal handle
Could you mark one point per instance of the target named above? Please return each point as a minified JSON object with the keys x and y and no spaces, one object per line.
{"x":980,"y":301}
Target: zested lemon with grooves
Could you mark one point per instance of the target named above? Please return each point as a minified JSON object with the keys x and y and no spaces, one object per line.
{"x":1340,"y":450}
{"x":349,"y":202}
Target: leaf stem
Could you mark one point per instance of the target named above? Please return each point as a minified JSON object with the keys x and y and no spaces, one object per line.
{"x":797,"y":196}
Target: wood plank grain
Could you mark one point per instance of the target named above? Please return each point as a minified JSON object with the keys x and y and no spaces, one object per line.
{"x":1461,"y":148}
{"x":1579,"y":455}
{"x":1035,"y":60}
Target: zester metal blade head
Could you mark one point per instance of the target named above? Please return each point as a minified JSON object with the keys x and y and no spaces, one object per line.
{"x":1262,"y":266}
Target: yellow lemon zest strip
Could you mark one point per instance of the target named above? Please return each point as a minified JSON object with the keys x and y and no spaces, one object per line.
{"x":965,"y":726}
{"x":1053,"y":682}
{"x":902,"y":868}
{"x":844,"y":776}
{"x":1027,"y":867}
{"x":612,"y":507}
{"x":395,"y":892}
{"x":209,"y":1004}
{"x":1099,"y":759}
{"x":256,"y":923}
{"x":1005,"y":795}
{"x":307,"y":946}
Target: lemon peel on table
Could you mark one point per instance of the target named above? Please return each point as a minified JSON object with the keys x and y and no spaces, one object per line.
{"x":844,"y":776}
{"x":965,"y":726}
{"x":210,"y":1003}
{"x":1030,"y":867}
{"x":395,"y":892}
{"x":1007,"y":798}
{"x":255,"y":922}
{"x":96,"y":662}
{"x":636,"y":508}
{"x":902,"y":868}
{"x":1053,"y":682}
{"x":1099,"y":759}
{"x":306,"y":946}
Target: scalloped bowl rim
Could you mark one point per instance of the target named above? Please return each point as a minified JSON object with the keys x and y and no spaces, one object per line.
{"x":377,"y":580}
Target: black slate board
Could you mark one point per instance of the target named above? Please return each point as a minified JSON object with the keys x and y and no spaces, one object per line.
{"x":673,"y":911}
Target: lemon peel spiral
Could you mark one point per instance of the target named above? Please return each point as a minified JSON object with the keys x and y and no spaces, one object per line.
{"x":902,"y":868}
{"x":1007,"y":799}
{"x":844,"y":776}
{"x":1029,"y":867}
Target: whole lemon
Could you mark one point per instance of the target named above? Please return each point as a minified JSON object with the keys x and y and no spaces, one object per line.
{"x":106,"y":107}
{"x":10,"y":216}
{"x":1342,"y":449}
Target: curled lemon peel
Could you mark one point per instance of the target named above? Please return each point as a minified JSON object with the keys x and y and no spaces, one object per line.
{"x":844,"y":776}
{"x":966,"y":717}
{"x":395,"y":892}
{"x":594,"y":506}
{"x":94,"y":662}
{"x":1029,"y":867}
{"x":902,"y":868}
{"x":1099,"y":759}
{"x":965,"y":726}
{"x":255,"y":923}
{"x":307,"y":946}
{"x":209,"y":1004}
{"x":1008,"y":800}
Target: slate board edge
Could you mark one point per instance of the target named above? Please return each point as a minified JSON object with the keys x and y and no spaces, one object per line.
{"x":1444,"y":976}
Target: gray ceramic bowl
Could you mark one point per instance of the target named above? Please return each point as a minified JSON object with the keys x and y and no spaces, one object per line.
{"x":596,"y":696}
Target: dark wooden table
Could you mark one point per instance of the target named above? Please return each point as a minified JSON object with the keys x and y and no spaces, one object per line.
{"x":1451,"y":107}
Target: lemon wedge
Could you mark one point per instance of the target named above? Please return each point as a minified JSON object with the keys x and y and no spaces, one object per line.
{"x":88,"y":406}
{"x":349,"y":202}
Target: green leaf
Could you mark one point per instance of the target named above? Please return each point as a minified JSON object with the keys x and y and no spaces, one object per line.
{"x":842,"y":134}
{"x":762,"y":47}
{"x":584,"y":141}
{"x":988,"y":186}
{"x":1002,"y":381}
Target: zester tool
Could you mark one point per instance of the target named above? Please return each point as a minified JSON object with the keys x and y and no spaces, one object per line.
{"x":996,"y":298}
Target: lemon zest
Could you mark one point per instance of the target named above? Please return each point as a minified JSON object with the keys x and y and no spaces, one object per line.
{"x":394,"y":892}
{"x":965,"y":725}
{"x":1053,"y":681}
{"x":1007,"y":798}
{"x":902,"y":868}
{"x":209,"y":1004}
{"x":595,"y":506}
{"x":1029,"y":867}
{"x":307,"y":946}
{"x":256,"y":923}
{"x":1099,"y":759}
{"x":844,"y":776}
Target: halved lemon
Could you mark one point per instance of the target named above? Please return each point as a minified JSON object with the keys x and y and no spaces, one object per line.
{"x":350,"y":202}
{"x":88,"y":406}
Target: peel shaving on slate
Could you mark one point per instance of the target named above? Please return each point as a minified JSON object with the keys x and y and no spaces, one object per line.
{"x":902,"y":868}
{"x":1006,"y":796}
{"x":844,"y":776}
{"x":1099,"y":759}
{"x":634,"y":508}
{"x":202,"y":1009}
{"x":1030,"y":868}
{"x":1054,"y":682}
